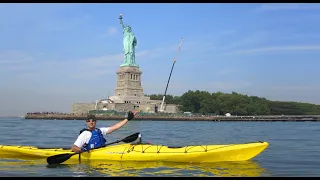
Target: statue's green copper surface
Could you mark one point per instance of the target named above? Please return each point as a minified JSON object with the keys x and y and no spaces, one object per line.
{"x":129,"y":45}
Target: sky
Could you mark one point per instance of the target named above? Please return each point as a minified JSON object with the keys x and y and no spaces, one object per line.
{"x":54,"y":55}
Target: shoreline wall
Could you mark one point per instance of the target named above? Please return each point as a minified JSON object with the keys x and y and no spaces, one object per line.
{"x":177,"y":118}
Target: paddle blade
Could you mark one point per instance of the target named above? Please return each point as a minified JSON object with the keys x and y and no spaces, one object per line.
{"x":131,"y":138}
{"x":60,"y":158}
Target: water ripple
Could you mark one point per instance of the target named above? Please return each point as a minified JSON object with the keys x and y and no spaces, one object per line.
{"x":294,"y":148}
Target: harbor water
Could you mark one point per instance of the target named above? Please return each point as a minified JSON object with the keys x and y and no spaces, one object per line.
{"x":294,"y":147}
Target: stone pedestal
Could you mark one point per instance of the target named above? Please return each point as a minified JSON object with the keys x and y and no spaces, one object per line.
{"x":129,"y":82}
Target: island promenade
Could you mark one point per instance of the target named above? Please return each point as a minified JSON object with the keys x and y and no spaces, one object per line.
{"x":160,"y":117}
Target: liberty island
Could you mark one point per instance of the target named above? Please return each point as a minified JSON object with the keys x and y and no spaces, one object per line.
{"x":128,"y":93}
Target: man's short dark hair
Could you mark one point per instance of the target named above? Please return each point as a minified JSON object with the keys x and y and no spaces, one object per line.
{"x":91,"y":116}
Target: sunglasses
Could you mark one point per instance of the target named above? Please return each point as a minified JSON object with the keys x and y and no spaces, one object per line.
{"x":93,"y":120}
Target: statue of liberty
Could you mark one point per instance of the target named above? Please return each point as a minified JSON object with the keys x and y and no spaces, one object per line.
{"x":129,"y":44}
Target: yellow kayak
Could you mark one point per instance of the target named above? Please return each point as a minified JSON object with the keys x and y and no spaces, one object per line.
{"x":146,"y":152}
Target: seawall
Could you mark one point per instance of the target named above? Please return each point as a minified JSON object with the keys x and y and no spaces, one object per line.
{"x":178,"y":118}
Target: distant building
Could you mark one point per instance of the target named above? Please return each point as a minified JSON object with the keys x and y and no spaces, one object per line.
{"x":128,"y":95}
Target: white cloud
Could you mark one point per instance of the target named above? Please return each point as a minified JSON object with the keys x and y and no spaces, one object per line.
{"x":158,"y":87}
{"x":287,"y":6}
{"x":17,"y":101}
{"x":192,"y":63}
{"x":62,"y":24}
{"x":10,"y":57}
{"x":143,"y":53}
{"x":298,"y":88}
{"x":20,"y":71}
{"x":228,"y":32}
{"x":228,"y":86}
{"x":177,"y":88}
{"x":254,"y":38}
{"x":111,"y":31}
{"x":298,"y":93}
{"x":275,"y":48}
{"x":227,"y":71}
{"x":87,"y":68}
{"x":83,"y":68}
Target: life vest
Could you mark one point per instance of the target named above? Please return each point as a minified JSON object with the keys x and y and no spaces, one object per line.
{"x":96,"y":140}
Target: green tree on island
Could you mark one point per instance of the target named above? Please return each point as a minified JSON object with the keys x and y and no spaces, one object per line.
{"x":235,"y":103}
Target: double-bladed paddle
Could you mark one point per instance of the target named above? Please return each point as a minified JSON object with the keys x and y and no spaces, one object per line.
{"x":60,"y":158}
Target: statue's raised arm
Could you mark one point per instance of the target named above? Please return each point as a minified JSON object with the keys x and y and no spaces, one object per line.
{"x":120,"y":17}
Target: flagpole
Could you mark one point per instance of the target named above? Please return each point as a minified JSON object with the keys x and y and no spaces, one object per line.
{"x":165,"y":92}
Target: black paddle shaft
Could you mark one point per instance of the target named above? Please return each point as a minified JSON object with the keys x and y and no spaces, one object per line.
{"x":60,"y":158}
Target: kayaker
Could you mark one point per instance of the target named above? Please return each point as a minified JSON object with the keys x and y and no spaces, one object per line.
{"x":93,"y":137}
